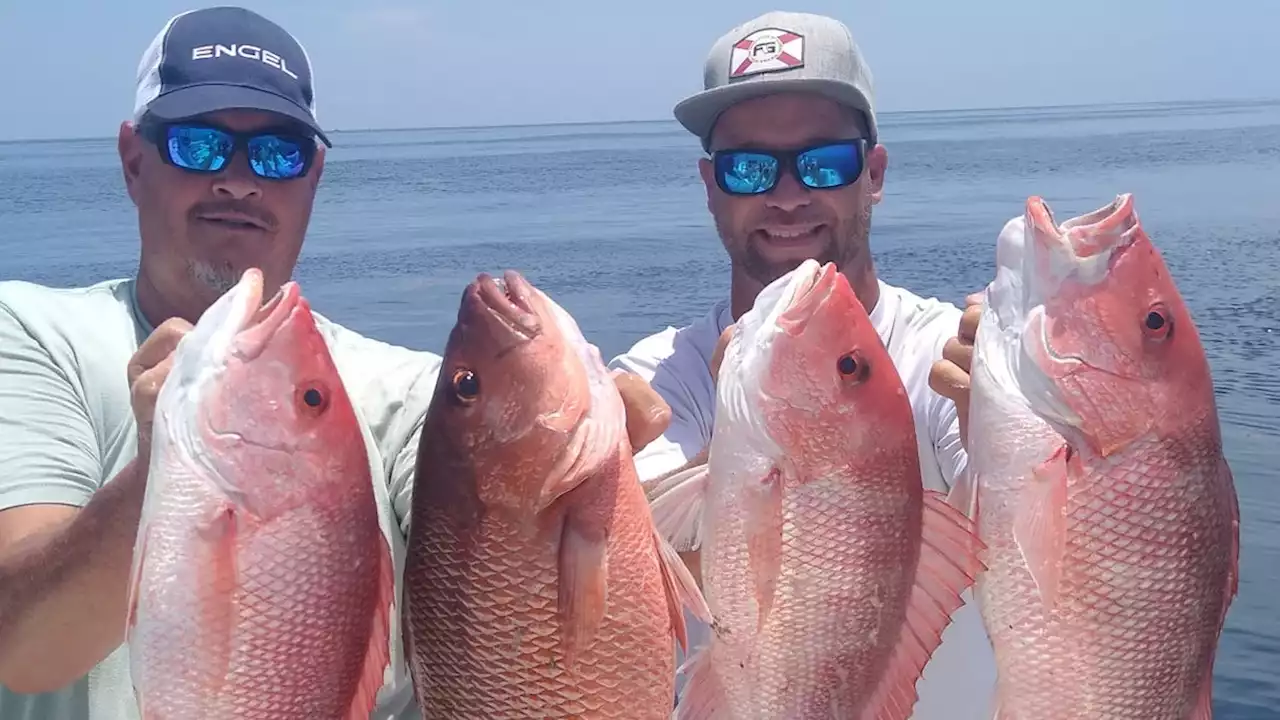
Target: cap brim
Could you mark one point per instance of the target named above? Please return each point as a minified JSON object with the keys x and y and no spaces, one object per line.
{"x":189,"y":102}
{"x":698,"y":113}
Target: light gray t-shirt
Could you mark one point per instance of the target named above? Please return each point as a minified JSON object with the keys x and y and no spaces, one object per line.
{"x":67,"y":427}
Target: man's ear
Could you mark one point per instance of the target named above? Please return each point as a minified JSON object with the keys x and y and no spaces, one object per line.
{"x":317,"y":167}
{"x":130,"y":147}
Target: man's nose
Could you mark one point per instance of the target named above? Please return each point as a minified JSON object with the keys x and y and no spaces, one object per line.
{"x":788,"y":195}
{"x":237,"y":180}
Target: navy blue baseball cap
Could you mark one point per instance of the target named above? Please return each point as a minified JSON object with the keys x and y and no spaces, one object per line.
{"x":225,"y":58}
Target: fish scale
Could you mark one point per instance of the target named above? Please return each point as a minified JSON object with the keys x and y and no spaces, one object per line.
{"x":825,"y":566}
{"x":1130,"y":671}
{"x":509,"y":636}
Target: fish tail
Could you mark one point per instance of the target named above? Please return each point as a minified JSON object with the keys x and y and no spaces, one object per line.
{"x":948,"y":566}
{"x":378,"y":655}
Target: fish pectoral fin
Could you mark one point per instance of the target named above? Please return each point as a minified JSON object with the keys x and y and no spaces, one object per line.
{"x":378,"y":655}
{"x":1040,"y":526}
{"x":964,"y":494}
{"x":215,"y":558}
{"x":583,"y":587}
{"x":704,"y":696}
{"x":681,"y":589}
{"x":135,"y":578}
{"x":591,"y":445}
{"x":676,"y":503}
{"x":763,"y":523}
{"x":950,"y":561}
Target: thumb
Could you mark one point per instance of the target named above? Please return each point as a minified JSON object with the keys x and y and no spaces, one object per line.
{"x":717,"y":357}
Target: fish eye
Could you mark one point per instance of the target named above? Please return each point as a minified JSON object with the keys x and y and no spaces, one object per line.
{"x":313,"y":397}
{"x":1157,"y":324}
{"x":466,"y":385}
{"x":852,"y":365}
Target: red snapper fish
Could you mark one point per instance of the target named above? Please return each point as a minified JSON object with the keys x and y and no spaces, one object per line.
{"x":1097,"y":477}
{"x":829,"y":570}
{"x":536,"y":585}
{"x":261,"y":584}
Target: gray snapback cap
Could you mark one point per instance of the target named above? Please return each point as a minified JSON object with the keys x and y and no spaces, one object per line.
{"x":780,"y":52}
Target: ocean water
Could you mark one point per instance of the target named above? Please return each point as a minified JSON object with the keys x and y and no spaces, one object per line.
{"x":611,"y":220}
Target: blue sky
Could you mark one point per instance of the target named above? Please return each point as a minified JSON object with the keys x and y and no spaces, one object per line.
{"x":69,"y":66}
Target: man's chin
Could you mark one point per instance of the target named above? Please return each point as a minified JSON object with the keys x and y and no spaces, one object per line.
{"x":216,"y":278}
{"x":766,"y":266}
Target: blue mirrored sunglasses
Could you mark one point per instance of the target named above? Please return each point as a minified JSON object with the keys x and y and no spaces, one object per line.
{"x":206,"y":149}
{"x":751,"y":171}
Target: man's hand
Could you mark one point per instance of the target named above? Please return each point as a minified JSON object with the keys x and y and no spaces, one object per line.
{"x":949,"y":377}
{"x":147,"y":371}
{"x":647,"y":413}
{"x":717,"y":357}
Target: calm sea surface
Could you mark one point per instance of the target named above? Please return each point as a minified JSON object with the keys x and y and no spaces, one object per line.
{"x":611,"y":220}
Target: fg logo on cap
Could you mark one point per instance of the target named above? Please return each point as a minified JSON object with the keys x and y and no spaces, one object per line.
{"x":766,"y":50}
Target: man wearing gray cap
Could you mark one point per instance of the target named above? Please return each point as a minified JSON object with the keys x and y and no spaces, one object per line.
{"x":787,"y":116}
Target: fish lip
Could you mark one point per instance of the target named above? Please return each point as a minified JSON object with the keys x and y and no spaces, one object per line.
{"x":509,"y":300}
{"x":808,"y":295}
{"x":264,"y":320}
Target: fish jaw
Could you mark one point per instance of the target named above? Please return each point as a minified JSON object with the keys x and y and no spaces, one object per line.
{"x":519,"y":380}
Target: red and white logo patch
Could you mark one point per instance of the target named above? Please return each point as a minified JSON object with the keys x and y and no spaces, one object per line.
{"x":766,"y":50}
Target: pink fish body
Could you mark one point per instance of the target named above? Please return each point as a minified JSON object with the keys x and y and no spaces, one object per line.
{"x":1098,"y":478}
{"x":536,"y":585}
{"x":830,"y":572}
{"x":261,"y":583}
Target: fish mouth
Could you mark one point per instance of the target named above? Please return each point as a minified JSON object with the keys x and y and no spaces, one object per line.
{"x":508,"y":301}
{"x":1081,"y":249}
{"x":808,"y":293}
{"x":264,"y":320}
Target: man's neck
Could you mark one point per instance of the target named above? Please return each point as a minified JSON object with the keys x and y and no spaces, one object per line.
{"x":743,"y":289}
{"x":155,"y":310}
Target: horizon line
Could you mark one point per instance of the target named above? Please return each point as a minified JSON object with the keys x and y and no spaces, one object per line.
{"x":638,"y":121}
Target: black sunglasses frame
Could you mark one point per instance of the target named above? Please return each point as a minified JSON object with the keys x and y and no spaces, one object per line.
{"x":789,"y":162}
{"x":158,"y":134}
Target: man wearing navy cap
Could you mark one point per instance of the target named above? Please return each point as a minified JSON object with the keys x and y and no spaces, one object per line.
{"x":794,"y":168}
{"x":222,"y":159}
